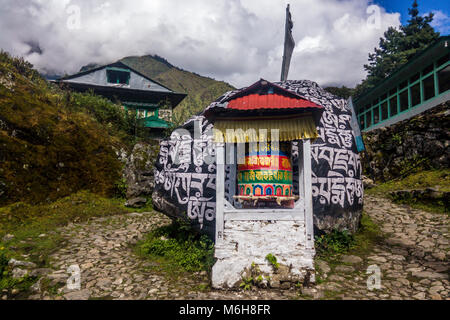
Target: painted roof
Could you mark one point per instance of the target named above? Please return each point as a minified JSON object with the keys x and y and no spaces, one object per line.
{"x":115,"y":66}
{"x":262,"y":95}
{"x":269,"y":101}
{"x":139,"y":87}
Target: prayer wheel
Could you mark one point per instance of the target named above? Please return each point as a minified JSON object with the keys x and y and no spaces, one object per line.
{"x":265,"y":179}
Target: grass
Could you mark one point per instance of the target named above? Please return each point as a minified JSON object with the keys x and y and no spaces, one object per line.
{"x":176,"y":249}
{"x":439,"y":179}
{"x":330,"y":247}
{"x":35,"y":228}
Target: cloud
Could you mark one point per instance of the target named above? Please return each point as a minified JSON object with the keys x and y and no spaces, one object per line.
{"x":238,"y":41}
{"x":441,"y":22}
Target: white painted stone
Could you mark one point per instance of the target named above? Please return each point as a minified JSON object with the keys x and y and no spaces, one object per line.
{"x":247,"y":242}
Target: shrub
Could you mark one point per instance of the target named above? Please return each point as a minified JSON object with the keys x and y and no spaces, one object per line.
{"x":178,"y":246}
{"x":53,"y":143}
{"x":334,"y":242}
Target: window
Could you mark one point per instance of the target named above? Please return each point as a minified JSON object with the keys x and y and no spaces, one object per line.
{"x":369,"y":119}
{"x":151,"y":113}
{"x":376,"y":115}
{"x":392,"y":91}
{"x":403,"y":85}
{"x":415,"y":95}
{"x":404,"y":104}
{"x":415,"y":77}
{"x":384,"y":111}
{"x":141,"y":113}
{"x":443,"y":60}
{"x":428,"y":88}
{"x":118,"y":76}
{"x":393,"y":106}
{"x":428,"y":69}
{"x":383,"y":97}
{"x":444,"y":79}
{"x":361,"y":121}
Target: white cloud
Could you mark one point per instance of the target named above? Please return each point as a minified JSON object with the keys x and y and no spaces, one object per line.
{"x":238,"y":41}
{"x":441,"y":22}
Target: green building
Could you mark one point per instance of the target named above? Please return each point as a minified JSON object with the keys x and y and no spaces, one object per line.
{"x":152,"y":101}
{"x":419,"y":85}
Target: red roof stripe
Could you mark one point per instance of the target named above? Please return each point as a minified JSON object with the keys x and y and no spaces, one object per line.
{"x":269,"y":101}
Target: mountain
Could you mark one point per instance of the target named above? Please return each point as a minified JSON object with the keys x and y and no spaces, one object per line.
{"x":201,"y":90}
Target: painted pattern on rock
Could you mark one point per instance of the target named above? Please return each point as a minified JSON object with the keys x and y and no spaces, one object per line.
{"x":185,"y":168}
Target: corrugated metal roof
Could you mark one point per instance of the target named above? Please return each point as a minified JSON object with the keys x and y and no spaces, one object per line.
{"x":269,"y":101}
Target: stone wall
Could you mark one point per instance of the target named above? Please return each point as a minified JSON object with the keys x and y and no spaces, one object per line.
{"x":249,"y":242}
{"x":419,"y":143}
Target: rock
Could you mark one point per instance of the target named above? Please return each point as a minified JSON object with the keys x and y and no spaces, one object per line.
{"x":36,"y":287}
{"x":351,"y":259}
{"x":58,"y":278}
{"x":8,"y":237}
{"x":419,"y":296}
{"x":377,"y":259}
{"x":436,"y":297}
{"x":436,"y":289}
{"x":312,"y":292}
{"x":367,"y":182}
{"x":19,"y":273}
{"x":429,"y":275}
{"x":139,"y":170}
{"x":401,"y":242}
{"x":426,"y":244}
{"x":323,"y":266}
{"x":336,"y":278}
{"x":17,"y":263}
{"x":344,"y":269}
{"x":136,"y":202}
{"x":439,"y":255}
{"x":40,"y":272}
{"x":84,"y":294}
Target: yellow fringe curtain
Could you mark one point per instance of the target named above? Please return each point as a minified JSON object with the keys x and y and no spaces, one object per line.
{"x":240,"y":131}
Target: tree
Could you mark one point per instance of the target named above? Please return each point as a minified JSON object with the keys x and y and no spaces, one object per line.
{"x":397,"y":47}
{"x":342,"y":92}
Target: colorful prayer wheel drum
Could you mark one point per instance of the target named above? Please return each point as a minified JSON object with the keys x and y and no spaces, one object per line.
{"x":266,"y":176}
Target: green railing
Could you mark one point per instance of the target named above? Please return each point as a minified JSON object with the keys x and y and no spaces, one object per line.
{"x":422,"y":87}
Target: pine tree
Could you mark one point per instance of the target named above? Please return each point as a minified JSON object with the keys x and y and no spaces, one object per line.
{"x":397,"y":47}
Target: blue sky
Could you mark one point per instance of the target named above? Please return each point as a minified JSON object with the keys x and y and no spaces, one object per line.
{"x":440,"y":7}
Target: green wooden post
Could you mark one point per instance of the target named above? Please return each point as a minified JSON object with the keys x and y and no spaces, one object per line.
{"x":436,"y":83}
{"x":409,"y":96}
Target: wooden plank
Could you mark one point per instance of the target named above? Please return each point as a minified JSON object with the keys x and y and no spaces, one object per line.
{"x":250,"y":215}
{"x":231,"y":162}
{"x":220,"y":190}
{"x":308,"y":193}
{"x":301,"y":185}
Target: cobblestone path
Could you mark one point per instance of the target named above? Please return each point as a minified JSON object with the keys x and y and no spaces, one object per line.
{"x":413,"y":260}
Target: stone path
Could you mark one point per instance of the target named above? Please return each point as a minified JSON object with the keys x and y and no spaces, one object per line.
{"x":413,"y":261}
{"x":413,"y":257}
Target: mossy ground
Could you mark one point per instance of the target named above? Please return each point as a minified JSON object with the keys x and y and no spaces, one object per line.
{"x":54,"y":142}
{"x":35,"y":228}
{"x":176,"y":250}
{"x":439,"y":179}
{"x":331,"y":247}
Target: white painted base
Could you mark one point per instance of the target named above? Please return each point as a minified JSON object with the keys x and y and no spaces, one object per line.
{"x":247,"y":242}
